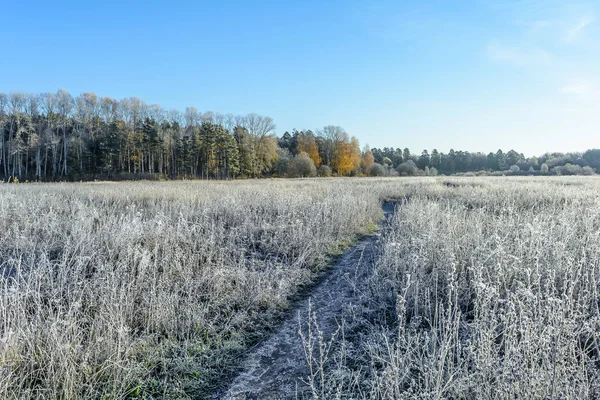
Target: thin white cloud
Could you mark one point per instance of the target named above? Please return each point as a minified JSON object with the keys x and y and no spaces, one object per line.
{"x":585,"y":90}
{"x":398,"y":21}
{"x":574,"y":32}
{"x":540,"y":25}
{"x":577,"y":89}
{"x":542,"y":41}
{"x":520,"y":57}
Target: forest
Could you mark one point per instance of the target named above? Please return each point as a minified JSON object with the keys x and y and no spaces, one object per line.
{"x":59,"y":137}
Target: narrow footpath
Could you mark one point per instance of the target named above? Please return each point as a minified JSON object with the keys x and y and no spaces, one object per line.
{"x":276,"y":367}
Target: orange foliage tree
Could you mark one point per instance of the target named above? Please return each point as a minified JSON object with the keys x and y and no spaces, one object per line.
{"x":308,"y":144}
{"x":367,"y":160}
{"x":346,"y":155}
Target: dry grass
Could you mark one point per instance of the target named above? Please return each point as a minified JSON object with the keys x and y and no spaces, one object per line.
{"x":153,"y":289}
{"x":485,"y":289}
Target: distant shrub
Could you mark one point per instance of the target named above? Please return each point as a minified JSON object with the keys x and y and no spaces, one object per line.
{"x":559,"y":161}
{"x":567,"y":169}
{"x":377,"y":170}
{"x":302,"y":166}
{"x":592,"y":157}
{"x":324,"y":171}
{"x":282,"y":165}
{"x":544,"y":168}
{"x":408,"y":168}
{"x":573,"y":169}
{"x":587,"y":171}
{"x":514,"y":168}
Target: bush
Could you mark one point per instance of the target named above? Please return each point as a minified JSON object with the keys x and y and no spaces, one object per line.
{"x":592,"y":157}
{"x":282,"y":166}
{"x":514,"y":168}
{"x":408,"y":168}
{"x":430,"y":171}
{"x":567,"y":169}
{"x":324,"y":171}
{"x":544,"y":168}
{"x":302,"y":166}
{"x":377,"y":170}
{"x":587,"y":171}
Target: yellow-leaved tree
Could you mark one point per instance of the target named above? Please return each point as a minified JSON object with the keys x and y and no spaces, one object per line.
{"x":367,"y":160}
{"x":308,"y":144}
{"x":346,"y":155}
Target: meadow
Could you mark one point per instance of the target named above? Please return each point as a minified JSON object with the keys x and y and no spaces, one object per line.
{"x":109,"y":290}
{"x":482,"y":287}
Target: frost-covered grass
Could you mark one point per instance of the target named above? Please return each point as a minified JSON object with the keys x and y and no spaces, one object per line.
{"x":485,"y":289}
{"x":153,"y":289}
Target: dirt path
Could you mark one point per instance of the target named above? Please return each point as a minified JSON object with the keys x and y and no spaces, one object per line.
{"x":274,"y":369}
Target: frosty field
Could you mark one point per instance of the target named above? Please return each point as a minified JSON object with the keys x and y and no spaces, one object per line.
{"x":480,"y":288}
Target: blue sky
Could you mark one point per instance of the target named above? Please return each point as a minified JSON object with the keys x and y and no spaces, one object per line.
{"x":470,"y":75}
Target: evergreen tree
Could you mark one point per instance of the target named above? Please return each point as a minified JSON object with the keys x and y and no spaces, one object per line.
{"x":424,"y":160}
{"x":500,"y":160}
{"x":406,"y":155}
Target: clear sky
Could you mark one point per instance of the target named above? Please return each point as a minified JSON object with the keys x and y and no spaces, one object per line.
{"x":469,"y":75}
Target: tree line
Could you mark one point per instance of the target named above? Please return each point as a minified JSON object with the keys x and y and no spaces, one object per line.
{"x":55,"y":136}
{"x":499,"y":162}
